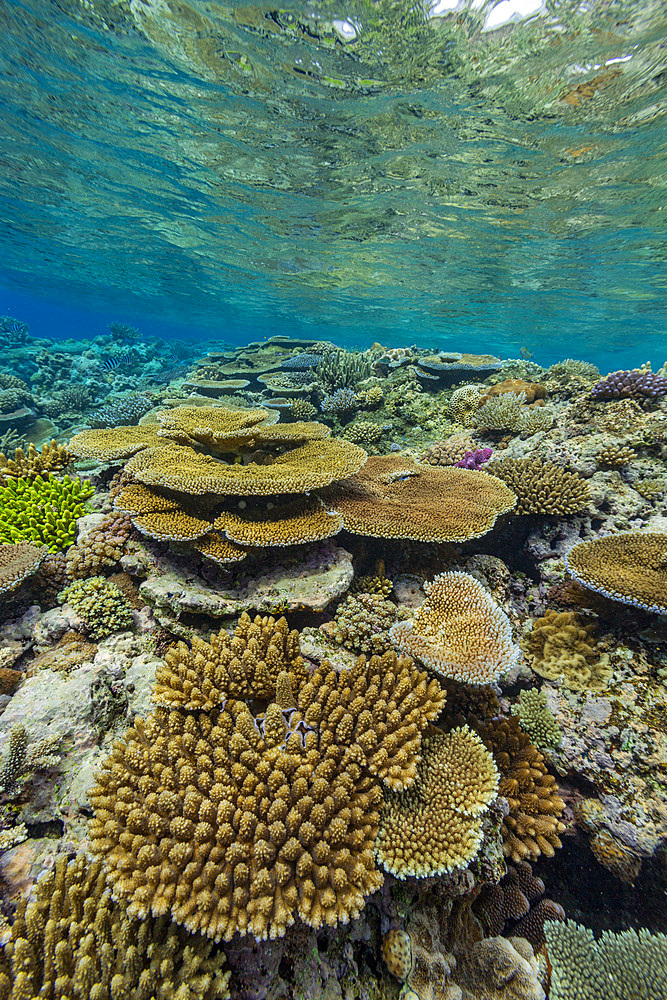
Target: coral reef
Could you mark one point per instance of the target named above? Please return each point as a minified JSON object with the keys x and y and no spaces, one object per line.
{"x":517,"y":905}
{"x":459,"y":631}
{"x":395,"y":497}
{"x":362,"y":622}
{"x":18,"y":562}
{"x":629,"y":965}
{"x":450,"y":451}
{"x":630,"y":566}
{"x":100,"y":544}
{"x":637,"y":383}
{"x":233,"y":823}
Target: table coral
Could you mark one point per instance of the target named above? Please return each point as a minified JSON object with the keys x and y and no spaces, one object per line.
{"x":235,"y":824}
{"x":629,"y":965}
{"x":100,"y":604}
{"x":533,"y":824}
{"x":70,"y":941}
{"x":435,"y":825}
{"x":542,"y":488}
{"x":18,"y":562}
{"x":43,"y":510}
{"x":630,"y":566}
{"x":394,"y":497}
{"x":459,"y":631}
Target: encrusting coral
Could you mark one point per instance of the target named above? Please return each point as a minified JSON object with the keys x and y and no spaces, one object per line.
{"x":459,"y":631}
{"x":243,"y":665}
{"x":101,"y":605}
{"x":239,"y":824}
{"x":630,"y":566}
{"x":69,"y":941}
{"x":560,"y":648}
{"x":629,"y":965}
{"x":532,"y":826}
{"x":541,"y":487}
{"x":435,"y":825}
{"x":395,"y":497}
{"x":42,"y":510}
{"x":537,"y":719}
{"x":18,"y":562}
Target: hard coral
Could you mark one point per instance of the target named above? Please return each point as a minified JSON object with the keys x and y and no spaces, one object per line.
{"x":235,"y":824}
{"x":531,"y":390}
{"x":542,"y":488}
{"x":536,"y":718}
{"x":449,"y":451}
{"x":101,"y":605}
{"x":244,"y":664}
{"x":459,"y":631}
{"x":533,"y":825}
{"x":395,"y":497}
{"x":99,"y":547}
{"x":52,"y":458}
{"x":362,"y":623}
{"x":630,"y":567}
{"x":70,"y":941}
{"x":560,"y":648}
{"x":629,"y":965}
{"x":43,"y":510}
{"x":18,"y":562}
{"x":435,"y":825}
{"x":517,"y":905}
{"x":637,"y":383}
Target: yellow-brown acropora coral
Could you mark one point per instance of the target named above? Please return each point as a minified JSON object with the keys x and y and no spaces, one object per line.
{"x":459,"y":631}
{"x":52,"y":458}
{"x":542,"y":487}
{"x":238,"y":824}
{"x":69,"y":941}
{"x":395,"y":497}
{"x":18,"y":562}
{"x":533,"y":825}
{"x":244,"y":664}
{"x":630,"y":566}
{"x":435,"y":825}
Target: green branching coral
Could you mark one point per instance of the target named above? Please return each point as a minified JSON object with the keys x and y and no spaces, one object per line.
{"x":42,"y":510}
{"x":627,"y":966}
{"x":537,"y":719}
{"x":101,"y":605}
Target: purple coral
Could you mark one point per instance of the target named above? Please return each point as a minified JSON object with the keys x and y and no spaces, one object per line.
{"x":635,"y":383}
{"x":474,"y":459}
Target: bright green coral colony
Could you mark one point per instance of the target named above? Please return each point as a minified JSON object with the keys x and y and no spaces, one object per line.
{"x":43,"y":510}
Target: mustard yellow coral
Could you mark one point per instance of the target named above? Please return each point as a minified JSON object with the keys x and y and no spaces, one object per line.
{"x":434,"y":826}
{"x":396,"y":497}
{"x":112,"y":444}
{"x":459,"y":631}
{"x":542,"y":487}
{"x":304,"y":519}
{"x":630,"y":566}
{"x":560,"y":647}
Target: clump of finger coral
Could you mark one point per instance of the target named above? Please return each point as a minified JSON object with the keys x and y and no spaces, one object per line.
{"x":533,"y":825}
{"x":560,"y":648}
{"x":100,"y":604}
{"x":100,"y":546}
{"x":542,"y":487}
{"x":27,"y":464}
{"x":459,"y":631}
{"x":362,"y":623}
{"x":69,"y":941}
{"x":536,"y":718}
{"x":240,"y":823}
{"x":244,"y":664}
{"x":42,"y":509}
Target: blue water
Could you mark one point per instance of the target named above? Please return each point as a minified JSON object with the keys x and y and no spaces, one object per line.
{"x":238,"y":172}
